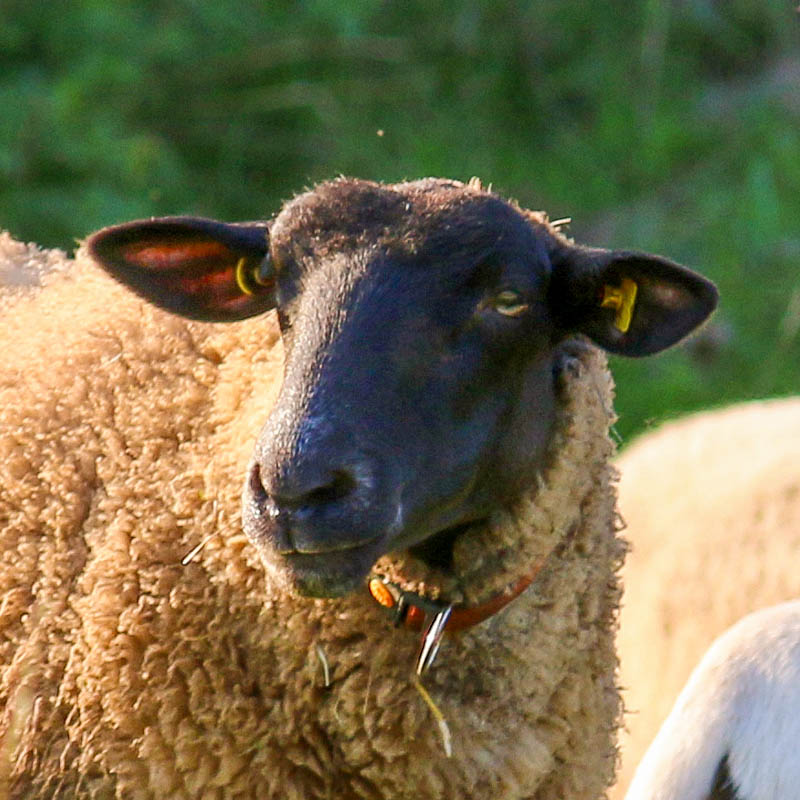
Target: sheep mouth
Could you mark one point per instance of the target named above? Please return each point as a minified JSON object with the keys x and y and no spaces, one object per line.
{"x":332,"y":573}
{"x":324,"y":548}
{"x":336,"y":571}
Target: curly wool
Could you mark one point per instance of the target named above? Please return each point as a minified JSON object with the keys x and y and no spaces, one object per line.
{"x":127,"y":673}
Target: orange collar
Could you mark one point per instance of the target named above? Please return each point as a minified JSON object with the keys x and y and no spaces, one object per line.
{"x":434,"y":619}
{"x":411,"y":610}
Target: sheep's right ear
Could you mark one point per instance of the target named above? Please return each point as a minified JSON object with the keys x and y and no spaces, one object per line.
{"x":198,"y":268}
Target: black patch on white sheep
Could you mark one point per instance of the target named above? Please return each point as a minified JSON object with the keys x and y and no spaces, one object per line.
{"x":723,"y":787}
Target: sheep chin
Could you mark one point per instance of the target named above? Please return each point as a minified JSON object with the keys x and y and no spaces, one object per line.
{"x":324,"y":575}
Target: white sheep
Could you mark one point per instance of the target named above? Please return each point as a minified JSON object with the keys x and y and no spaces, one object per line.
{"x":712,"y":505}
{"x":734,"y":729}
{"x":23,"y":265}
{"x":440,"y":437}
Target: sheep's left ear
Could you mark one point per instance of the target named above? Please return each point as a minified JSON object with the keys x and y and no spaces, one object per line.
{"x":629,"y":303}
{"x":198,"y":268}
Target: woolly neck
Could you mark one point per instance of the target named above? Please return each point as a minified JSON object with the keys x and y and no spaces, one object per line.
{"x":490,"y":558}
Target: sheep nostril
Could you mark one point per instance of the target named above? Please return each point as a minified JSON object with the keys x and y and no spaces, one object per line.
{"x":306,"y":492}
{"x":300,"y":490}
{"x":256,"y":485}
{"x":340,"y":485}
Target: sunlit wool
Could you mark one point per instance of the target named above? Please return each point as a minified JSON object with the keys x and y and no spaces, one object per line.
{"x":127,"y":673}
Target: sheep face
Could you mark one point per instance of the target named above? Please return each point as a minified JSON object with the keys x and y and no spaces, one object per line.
{"x":423,"y":325}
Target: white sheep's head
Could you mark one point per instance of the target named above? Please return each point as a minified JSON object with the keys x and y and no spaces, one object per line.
{"x":423,"y":325}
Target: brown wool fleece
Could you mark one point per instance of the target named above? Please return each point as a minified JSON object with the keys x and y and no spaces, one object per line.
{"x":125,"y":673}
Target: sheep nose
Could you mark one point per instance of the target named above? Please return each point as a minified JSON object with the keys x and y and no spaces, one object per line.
{"x":299,"y":490}
{"x":302,"y":507}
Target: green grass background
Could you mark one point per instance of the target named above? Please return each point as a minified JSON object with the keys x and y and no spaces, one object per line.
{"x":666,"y":125}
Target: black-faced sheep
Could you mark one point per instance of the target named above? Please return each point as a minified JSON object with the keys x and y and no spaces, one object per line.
{"x":439,"y":430}
{"x":734,"y":729}
{"x":712,"y":504}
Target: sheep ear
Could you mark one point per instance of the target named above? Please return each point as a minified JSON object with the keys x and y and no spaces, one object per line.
{"x":198,"y":268}
{"x":629,"y":303}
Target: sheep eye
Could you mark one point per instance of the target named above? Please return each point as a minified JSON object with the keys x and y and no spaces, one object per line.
{"x":509,"y":303}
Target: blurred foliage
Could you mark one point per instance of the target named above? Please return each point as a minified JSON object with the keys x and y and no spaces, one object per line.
{"x":666,"y":125}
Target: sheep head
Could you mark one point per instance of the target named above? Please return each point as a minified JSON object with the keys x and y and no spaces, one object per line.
{"x":423,"y":325}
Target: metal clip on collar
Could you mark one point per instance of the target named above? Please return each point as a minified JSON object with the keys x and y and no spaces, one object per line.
{"x":411,"y":610}
{"x":431,"y":639}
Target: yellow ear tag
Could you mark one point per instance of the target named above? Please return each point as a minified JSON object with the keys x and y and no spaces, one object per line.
{"x":242,"y":278}
{"x":623,"y":299}
{"x":248,"y":280}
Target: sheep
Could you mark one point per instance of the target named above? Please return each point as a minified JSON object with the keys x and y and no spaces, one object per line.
{"x":435,"y":458}
{"x":734,"y":729}
{"x":712,"y":504}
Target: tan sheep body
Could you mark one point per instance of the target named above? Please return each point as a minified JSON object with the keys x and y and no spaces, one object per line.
{"x":712,"y":504}
{"x":127,"y":674}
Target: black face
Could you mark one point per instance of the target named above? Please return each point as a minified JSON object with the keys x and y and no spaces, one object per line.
{"x":421,"y":323}
{"x":418,"y":392}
